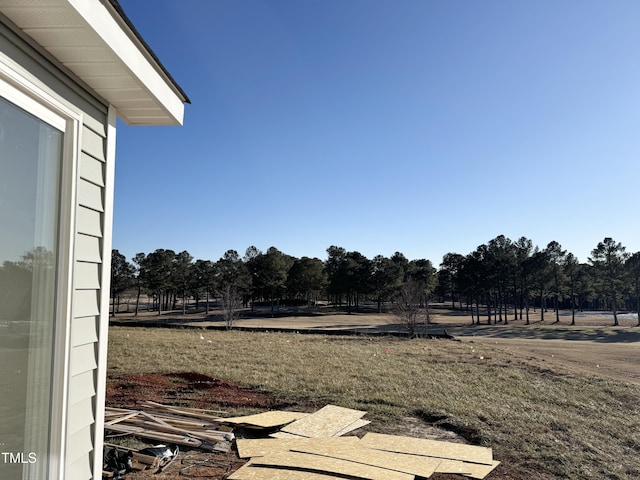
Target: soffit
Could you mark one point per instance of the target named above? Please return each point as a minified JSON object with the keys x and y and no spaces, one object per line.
{"x":94,"y":42}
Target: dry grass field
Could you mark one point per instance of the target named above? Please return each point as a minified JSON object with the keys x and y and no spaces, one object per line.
{"x":553,"y":401}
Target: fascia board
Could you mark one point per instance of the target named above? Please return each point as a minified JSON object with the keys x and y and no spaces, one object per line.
{"x":110,"y":32}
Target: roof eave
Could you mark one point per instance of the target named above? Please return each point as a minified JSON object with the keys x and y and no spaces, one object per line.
{"x":96,"y":42}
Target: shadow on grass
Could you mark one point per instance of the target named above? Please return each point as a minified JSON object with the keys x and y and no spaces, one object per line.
{"x":551,"y":332}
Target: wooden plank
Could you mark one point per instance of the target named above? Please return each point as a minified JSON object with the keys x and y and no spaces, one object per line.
{"x":168,"y":429}
{"x":429,"y":448}
{"x":163,"y":437}
{"x":270,"y":419}
{"x":117,"y":411}
{"x":254,"y":472}
{"x":121,"y":419}
{"x":208,"y":415}
{"x":326,"y":422}
{"x":144,"y":462}
{"x":400,"y":462}
{"x":175,"y":421}
{"x":318,"y":464}
{"x":260,"y":447}
{"x":211,"y":436}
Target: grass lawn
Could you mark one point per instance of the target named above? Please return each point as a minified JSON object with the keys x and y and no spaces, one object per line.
{"x":543,"y":422}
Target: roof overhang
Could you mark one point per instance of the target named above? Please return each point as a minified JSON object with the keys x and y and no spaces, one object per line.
{"x":97,"y":43}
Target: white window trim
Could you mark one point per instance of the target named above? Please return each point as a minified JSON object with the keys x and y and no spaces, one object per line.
{"x":25,"y":91}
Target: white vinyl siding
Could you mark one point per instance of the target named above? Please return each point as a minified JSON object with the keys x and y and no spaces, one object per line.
{"x":83,"y":331}
{"x":86,"y":275}
{"x":78,"y":469}
{"x":89,"y":248}
{"x":82,"y":415}
{"x":89,"y":253}
{"x":90,"y":195}
{"x":93,"y":144}
{"x":92,"y":170}
{"x":82,"y":386}
{"x":85,"y":303}
{"x":83,"y":359}
{"x":79,"y":446}
{"x":89,"y":221}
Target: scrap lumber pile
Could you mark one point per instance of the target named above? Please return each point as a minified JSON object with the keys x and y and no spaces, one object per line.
{"x":296,"y":445}
{"x":313,"y":448}
{"x":187,"y":427}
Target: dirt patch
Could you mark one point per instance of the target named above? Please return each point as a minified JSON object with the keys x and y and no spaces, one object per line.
{"x":182,"y":389}
{"x":187,"y":389}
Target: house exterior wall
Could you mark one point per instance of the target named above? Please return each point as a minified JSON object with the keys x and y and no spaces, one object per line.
{"x":81,"y":347}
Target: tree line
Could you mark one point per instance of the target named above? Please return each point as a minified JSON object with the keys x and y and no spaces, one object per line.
{"x":507,"y":278}
{"x":272,"y":277}
{"x":498,"y":280}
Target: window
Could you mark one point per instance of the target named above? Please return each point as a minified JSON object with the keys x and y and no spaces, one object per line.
{"x":32,"y":149}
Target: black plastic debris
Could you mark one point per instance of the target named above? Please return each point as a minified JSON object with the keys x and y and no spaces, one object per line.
{"x":117,"y":462}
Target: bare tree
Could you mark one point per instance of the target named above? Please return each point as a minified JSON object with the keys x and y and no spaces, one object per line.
{"x":231,"y":303}
{"x":409,"y":307}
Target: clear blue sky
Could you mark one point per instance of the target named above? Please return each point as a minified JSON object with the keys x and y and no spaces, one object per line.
{"x":423,"y":127}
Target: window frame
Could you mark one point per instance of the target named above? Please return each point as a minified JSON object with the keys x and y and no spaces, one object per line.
{"x":26,"y":91}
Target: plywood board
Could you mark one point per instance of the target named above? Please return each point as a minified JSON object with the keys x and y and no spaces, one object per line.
{"x":318,"y":464}
{"x":480,"y":471}
{"x":411,"y":464}
{"x":454,"y":466}
{"x":326,"y":422}
{"x":253,"y":472}
{"x":472,"y":470}
{"x":260,"y":447}
{"x":354,"y":426}
{"x":429,"y":448}
{"x":266,"y":419}
{"x":285,"y":435}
